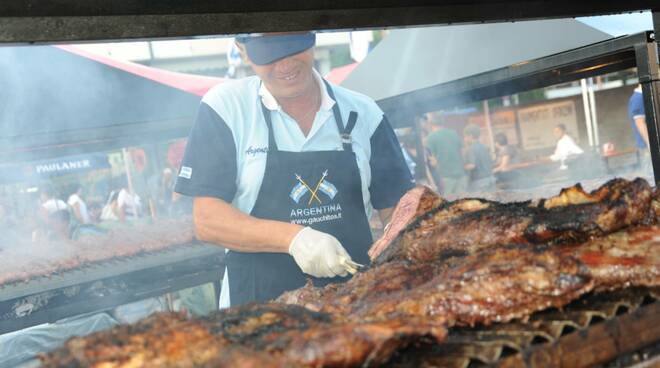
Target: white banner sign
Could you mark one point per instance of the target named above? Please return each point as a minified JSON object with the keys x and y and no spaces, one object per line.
{"x":538,"y":122}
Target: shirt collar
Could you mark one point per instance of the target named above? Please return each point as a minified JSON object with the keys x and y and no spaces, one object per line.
{"x":638,"y":89}
{"x":271,"y":103}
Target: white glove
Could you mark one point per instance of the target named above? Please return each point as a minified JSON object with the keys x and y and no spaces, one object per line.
{"x":319,"y":254}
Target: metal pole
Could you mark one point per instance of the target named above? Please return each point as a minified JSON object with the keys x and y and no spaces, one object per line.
{"x":646,"y":55}
{"x":656,"y":21}
{"x":587,"y":113}
{"x":127,"y":168}
{"x":592,"y":107}
{"x":421,"y":152}
{"x":489,"y":127}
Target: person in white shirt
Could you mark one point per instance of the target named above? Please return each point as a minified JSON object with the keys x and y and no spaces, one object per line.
{"x":50,"y":204}
{"x":129,"y":205}
{"x":78,"y":205}
{"x":566,"y":146}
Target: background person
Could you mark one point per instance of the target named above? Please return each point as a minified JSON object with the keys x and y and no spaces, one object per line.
{"x":285,"y":170}
{"x":161,"y":188}
{"x":49,"y":202}
{"x":109,"y":210}
{"x":129,"y":205}
{"x":78,"y":205}
{"x":637,"y":117}
{"x":506,"y":154}
{"x":478,"y":161}
{"x":566,"y":146}
{"x":446,"y":148}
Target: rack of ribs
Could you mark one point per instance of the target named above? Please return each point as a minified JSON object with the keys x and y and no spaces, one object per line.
{"x":469,"y":225}
{"x":623,"y":259}
{"x":495,"y":285}
{"x":255,"y":335}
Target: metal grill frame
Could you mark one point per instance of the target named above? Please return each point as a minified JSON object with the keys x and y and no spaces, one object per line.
{"x":106,"y":285}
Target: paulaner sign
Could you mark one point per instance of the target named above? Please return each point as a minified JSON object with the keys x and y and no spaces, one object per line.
{"x":55,"y":167}
{"x":63,"y":166}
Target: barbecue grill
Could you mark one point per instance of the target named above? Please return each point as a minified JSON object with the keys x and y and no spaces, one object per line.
{"x":104,"y":285}
{"x":612,"y":328}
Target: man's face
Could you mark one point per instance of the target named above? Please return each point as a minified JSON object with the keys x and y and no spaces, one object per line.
{"x":286,"y":78}
{"x":558,"y":132}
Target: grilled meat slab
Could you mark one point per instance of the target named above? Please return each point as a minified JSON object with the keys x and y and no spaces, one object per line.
{"x":353,"y":344}
{"x":626,"y":258}
{"x":413,"y":204}
{"x":495,"y":285}
{"x":256,"y":335}
{"x":471,"y":225}
{"x":371,"y":284}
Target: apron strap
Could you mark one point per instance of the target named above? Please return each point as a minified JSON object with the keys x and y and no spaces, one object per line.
{"x":344,"y":132}
{"x":272,"y":145}
{"x":346,"y":139}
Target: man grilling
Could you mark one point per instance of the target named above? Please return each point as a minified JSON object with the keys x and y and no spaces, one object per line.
{"x":285,"y":169}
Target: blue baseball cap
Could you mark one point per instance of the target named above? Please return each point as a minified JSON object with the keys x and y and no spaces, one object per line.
{"x":267,"y":49}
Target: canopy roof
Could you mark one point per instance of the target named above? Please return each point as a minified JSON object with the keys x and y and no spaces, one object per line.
{"x":66,"y":20}
{"x":339,"y":74}
{"x":411,"y":59}
{"x":60,"y":100}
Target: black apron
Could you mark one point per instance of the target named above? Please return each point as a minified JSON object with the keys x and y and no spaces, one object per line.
{"x":320,"y":189}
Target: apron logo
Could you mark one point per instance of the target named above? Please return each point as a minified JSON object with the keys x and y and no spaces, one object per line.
{"x":324,"y":186}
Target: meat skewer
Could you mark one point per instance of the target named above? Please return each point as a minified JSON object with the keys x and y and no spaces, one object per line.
{"x":22,"y":262}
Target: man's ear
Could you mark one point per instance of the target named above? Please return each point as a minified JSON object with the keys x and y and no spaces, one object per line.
{"x":244,"y":55}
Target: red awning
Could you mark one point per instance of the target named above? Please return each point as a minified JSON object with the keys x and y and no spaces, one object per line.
{"x":194,"y":84}
{"x":337,"y":75}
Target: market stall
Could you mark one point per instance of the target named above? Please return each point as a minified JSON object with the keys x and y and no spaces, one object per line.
{"x":64,"y":113}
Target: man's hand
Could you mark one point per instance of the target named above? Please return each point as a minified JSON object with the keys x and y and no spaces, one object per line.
{"x":319,"y":254}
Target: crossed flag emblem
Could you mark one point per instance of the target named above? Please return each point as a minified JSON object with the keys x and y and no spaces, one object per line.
{"x":322,"y":185}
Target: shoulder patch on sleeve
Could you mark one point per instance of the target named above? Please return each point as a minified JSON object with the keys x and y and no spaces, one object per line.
{"x":185,"y":172}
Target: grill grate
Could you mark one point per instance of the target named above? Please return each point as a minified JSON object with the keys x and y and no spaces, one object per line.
{"x":593,"y":330}
{"x":103,"y":285}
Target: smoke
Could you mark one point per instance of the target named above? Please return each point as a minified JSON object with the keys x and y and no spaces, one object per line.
{"x":55,"y":104}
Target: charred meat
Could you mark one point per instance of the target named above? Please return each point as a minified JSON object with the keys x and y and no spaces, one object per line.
{"x":413,"y":204}
{"x":471,"y":225}
{"x":495,"y":285}
{"x":256,"y":335}
{"x":440,"y":264}
{"x":626,"y":258}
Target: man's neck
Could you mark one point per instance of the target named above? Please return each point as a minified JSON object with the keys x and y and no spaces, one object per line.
{"x":303,"y":108}
{"x":310,"y":99}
